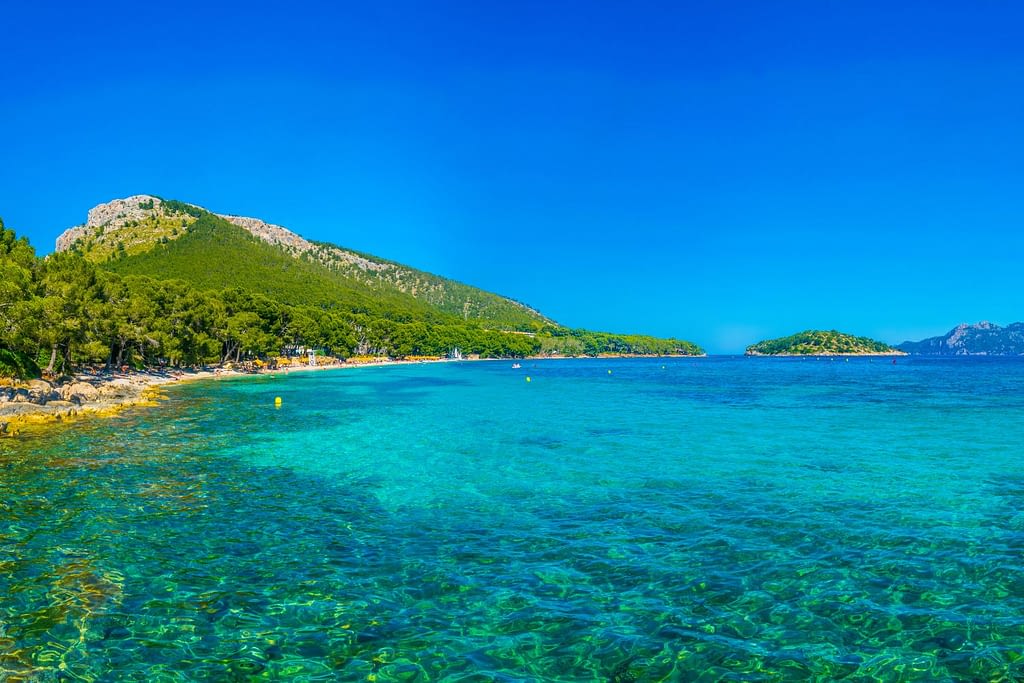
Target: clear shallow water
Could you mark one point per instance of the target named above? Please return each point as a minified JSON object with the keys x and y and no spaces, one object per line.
{"x":712,"y":519}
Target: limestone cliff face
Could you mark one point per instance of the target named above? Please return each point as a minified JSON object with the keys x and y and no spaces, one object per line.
{"x":980,"y":339}
{"x":113,"y":215}
{"x":283,"y":237}
{"x":131,"y":208}
{"x":268,"y":232}
{"x":142,"y":221}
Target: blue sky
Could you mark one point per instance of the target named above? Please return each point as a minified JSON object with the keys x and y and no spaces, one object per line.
{"x":716,"y":171}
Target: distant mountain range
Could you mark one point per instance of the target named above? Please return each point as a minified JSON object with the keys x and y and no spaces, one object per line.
{"x":982,"y":339}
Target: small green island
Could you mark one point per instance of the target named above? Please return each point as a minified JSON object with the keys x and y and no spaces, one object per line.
{"x":822,"y":343}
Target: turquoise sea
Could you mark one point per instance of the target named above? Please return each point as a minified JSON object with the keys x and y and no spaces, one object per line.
{"x":611,"y":520}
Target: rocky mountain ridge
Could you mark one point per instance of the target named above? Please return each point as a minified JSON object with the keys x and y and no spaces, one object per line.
{"x":111,"y":223}
{"x":979,"y":339}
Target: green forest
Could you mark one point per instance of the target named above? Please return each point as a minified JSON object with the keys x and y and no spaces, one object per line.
{"x":179,"y":240}
{"x":218,"y":294}
{"x":214,"y":254}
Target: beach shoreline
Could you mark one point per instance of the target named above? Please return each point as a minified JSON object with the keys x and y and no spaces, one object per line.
{"x":38,"y":403}
{"x":103,"y":394}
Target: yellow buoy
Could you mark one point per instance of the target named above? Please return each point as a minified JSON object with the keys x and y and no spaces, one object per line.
{"x":609,"y":372}
{"x":528,"y":379}
{"x":277,"y":401}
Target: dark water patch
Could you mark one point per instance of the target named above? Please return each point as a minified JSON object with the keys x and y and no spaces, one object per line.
{"x":541,"y":441}
{"x":403,"y":384}
{"x":1007,"y":485}
{"x":714,"y":396}
{"x":829,"y":467}
{"x":610,"y":431}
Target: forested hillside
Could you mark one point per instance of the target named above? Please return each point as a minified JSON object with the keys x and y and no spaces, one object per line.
{"x":216,"y":293}
{"x":64,"y":310}
{"x":168,"y":238}
{"x":215,"y":254}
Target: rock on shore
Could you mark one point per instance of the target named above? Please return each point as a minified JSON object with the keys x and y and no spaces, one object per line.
{"x":39,"y":401}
